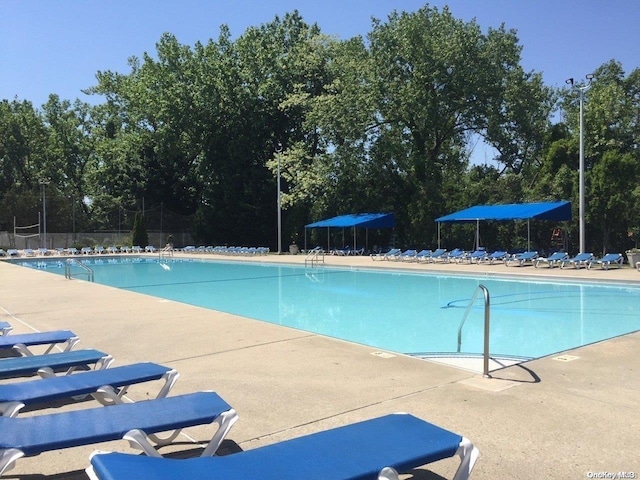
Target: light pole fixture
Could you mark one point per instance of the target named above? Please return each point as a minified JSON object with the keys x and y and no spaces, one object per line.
{"x":278,"y":152}
{"x":582,"y":89}
{"x":44,"y":212}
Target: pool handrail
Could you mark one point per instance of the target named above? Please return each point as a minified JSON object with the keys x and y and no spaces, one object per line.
{"x":487,"y":321}
{"x":73,"y":261}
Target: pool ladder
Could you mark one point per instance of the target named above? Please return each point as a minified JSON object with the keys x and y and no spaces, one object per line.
{"x":487,"y":321}
{"x":314,"y":258}
{"x":86,"y":270}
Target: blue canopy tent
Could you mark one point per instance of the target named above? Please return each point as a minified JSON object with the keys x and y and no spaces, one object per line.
{"x":557,"y":211}
{"x":355,"y":220}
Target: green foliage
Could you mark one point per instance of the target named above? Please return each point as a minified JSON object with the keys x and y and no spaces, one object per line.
{"x":385,"y":123}
{"x":139,"y":235}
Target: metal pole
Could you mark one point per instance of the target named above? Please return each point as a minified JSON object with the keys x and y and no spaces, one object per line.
{"x":279,"y":208}
{"x":44,"y":213}
{"x":581,"y":172}
{"x":487,"y":315}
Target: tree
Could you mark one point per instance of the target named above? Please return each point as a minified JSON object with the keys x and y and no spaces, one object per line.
{"x":612,"y":158}
{"x":139,"y":234}
{"x":613,"y":198}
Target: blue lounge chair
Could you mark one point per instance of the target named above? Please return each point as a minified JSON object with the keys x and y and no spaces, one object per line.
{"x":437,"y":254}
{"x":580,"y":260}
{"x":373,"y":449}
{"x":407,"y":256}
{"x":386,"y":256}
{"x":47,"y":365}
{"x":552,"y":260}
{"x":497,"y":256}
{"x":454,"y":255}
{"x":609,"y":260}
{"x":135,"y":422}
{"x":21,"y":343}
{"x":522,"y":259}
{"x":106,"y":386}
{"x":476,"y":257}
{"x":423,"y":255}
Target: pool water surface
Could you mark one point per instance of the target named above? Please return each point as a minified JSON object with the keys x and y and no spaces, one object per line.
{"x":410,"y":313}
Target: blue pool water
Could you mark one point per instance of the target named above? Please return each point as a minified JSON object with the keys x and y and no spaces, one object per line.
{"x":411,"y":313}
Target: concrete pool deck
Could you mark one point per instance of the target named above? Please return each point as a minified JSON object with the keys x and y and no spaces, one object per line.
{"x":570,"y":415}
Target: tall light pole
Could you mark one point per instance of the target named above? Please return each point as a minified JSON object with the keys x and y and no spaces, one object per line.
{"x":44,"y":213}
{"x":582,"y":89}
{"x":278,"y":152}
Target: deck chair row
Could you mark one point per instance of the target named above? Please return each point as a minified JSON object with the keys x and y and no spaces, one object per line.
{"x":562,"y":259}
{"x":399,"y":442}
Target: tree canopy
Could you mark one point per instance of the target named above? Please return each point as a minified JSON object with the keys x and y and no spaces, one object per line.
{"x":385,"y":122}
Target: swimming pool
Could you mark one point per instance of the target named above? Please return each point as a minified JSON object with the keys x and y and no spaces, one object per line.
{"x":410,"y":313}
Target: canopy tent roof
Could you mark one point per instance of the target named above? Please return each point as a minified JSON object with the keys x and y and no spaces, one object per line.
{"x":355,"y":220}
{"x":515,"y":211}
{"x":361,"y":220}
{"x":556,"y":211}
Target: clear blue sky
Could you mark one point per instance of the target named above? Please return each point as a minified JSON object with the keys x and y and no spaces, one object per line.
{"x":51,"y":46}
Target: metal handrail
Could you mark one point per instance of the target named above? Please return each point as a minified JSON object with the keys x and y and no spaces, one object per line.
{"x":72,"y":261}
{"x":313,"y":257}
{"x":487,"y":321}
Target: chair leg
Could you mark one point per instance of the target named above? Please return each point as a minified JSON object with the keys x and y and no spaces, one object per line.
{"x":139,"y":439}
{"x":225,"y":422}
{"x":10,"y":409}
{"x":468,"y":455}
{"x":8,"y":458}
